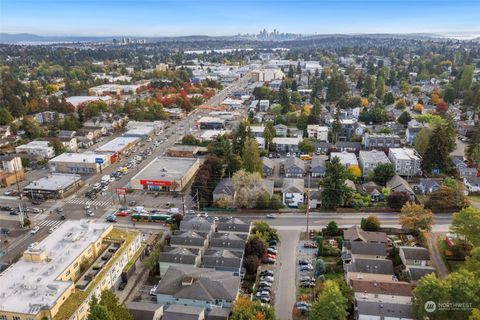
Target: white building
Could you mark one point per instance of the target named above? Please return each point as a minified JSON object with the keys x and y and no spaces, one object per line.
{"x":293,"y":191}
{"x":369,"y":160}
{"x":37,"y":148}
{"x":406,"y":161}
{"x":266,"y":75}
{"x":317,"y":132}
{"x":81,"y":163}
{"x":347,"y":159}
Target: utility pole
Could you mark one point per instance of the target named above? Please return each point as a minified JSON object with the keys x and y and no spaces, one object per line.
{"x":198,"y":201}
{"x":308,"y":205}
{"x":183,"y":204}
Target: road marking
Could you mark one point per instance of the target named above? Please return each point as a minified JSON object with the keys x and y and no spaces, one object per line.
{"x":99,"y":203}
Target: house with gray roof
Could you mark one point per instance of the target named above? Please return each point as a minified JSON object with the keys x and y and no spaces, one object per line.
{"x":223,"y":260}
{"x":318,"y":166}
{"x":366,"y":309}
{"x":417,"y":256}
{"x":189,"y":239}
{"x":369,"y":160}
{"x":197,"y":287}
{"x":294,"y":167}
{"x":462,"y":169}
{"x":366,"y":265}
{"x":293,"y":191}
{"x":173,"y":256}
{"x":235,"y":225}
{"x":355,"y":233}
{"x":415,"y":273}
{"x":145,"y":310}
{"x":398,"y":184}
{"x":195,"y":223}
{"x":359,"y":249}
{"x":228,"y":241}
{"x":268,"y":167}
{"x":425,"y":186}
{"x":180,"y":312}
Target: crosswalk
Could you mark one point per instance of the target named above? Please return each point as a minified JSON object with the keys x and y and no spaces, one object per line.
{"x":99,"y":203}
{"x":49,"y":223}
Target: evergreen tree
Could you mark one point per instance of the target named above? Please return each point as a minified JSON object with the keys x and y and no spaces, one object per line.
{"x":330,"y":303}
{"x":251,"y":157}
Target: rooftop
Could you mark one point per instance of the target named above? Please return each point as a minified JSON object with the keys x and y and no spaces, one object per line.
{"x":373,"y":156}
{"x":389,"y":287}
{"x":88,"y":157}
{"x":54,"y":181}
{"x":117,"y":144}
{"x":29,"y":286}
{"x":404,"y":154}
{"x":346,"y":158}
{"x":166,"y":169}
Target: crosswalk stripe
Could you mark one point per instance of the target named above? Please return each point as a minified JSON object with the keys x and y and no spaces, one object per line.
{"x":100,"y":203}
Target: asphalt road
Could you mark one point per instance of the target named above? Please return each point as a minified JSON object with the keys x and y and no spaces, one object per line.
{"x":286,"y":292}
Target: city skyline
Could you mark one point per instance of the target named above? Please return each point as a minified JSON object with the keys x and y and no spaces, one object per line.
{"x":147,"y":18}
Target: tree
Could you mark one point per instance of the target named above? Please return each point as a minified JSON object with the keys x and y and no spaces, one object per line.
{"x":389,"y":99}
{"x":268,"y":134}
{"x":151,"y":262}
{"x":337,"y":87}
{"x":473,"y":148}
{"x":334,"y":190}
{"x":442,"y":106}
{"x":404,"y":118}
{"x":190,"y":140}
{"x":115,"y":309}
{"x":472,"y":262}
{"x":319,"y":267}
{"x":458,"y":287}
{"x":332,"y":229}
{"x":475,"y":314}
{"x":32,"y":129}
{"x":284,"y":98}
{"x":442,"y":142}
{"x":251,"y":263}
{"x":372,"y":223}
{"x":264,"y":231}
{"x":354,"y":172}
{"x":447,"y":196}
{"x":330,"y":303}
{"x":246,"y":309}
{"x":396,"y":200}
{"x":251,"y":157}
{"x":58,"y":146}
{"x":449,"y":94}
{"x":5,"y":117}
{"x":467,"y":77}
{"x":247,"y":188}
{"x":306,"y":146}
{"x":422,"y":141}
{"x":415,"y":217}
{"x":255,"y":246}
{"x":382,"y":173}
{"x":466,"y":223}
{"x":98,"y":312}
{"x":380,"y":87}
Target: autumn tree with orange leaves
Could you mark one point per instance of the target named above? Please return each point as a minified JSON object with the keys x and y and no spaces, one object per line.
{"x":245,"y":309}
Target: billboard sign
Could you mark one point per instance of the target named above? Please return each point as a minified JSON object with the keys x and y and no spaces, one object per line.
{"x":99,"y":160}
{"x":121,"y":191}
{"x":159,"y":183}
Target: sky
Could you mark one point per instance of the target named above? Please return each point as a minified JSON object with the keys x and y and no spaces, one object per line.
{"x":229,"y":17}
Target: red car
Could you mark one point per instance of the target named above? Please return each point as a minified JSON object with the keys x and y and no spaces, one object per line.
{"x":121,"y":213}
{"x":269,"y":255}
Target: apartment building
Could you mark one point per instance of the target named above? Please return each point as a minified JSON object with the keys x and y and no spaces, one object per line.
{"x":406,"y":161}
{"x":37,"y":148}
{"x":369,"y":160}
{"x":57,"y":278}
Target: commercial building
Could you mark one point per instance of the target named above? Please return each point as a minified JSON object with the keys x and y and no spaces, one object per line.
{"x":211,"y":123}
{"x":52,"y":280}
{"x":157,"y":126}
{"x":8,"y":179}
{"x":369,"y":160}
{"x":56,"y":185}
{"x":165,"y":173}
{"x":182,"y":151}
{"x":141,"y":132}
{"x":118,"y":145}
{"x":81,"y":163}
{"x":37,"y":148}
{"x":266,"y":75}
{"x":406,"y":161}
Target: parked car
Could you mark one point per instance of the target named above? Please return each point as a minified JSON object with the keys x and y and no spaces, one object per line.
{"x":52,"y":229}
{"x":267,"y":273}
{"x":265,"y":284}
{"x":272,"y":251}
{"x":271,"y":216}
{"x":264,"y":299}
{"x":269,"y":260}
{"x":310,"y":244}
{"x":34,"y":230}
{"x":152,"y":291}
{"x":303,"y":262}
{"x":306,"y":278}
{"x":90,"y":213}
{"x":121,"y":213}
{"x":272,"y":243}
{"x":307,"y":267}
{"x":32,"y":245}
{"x":122,"y":285}
{"x":307,"y":284}
{"x":267,"y":278}
{"x":262,"y":294}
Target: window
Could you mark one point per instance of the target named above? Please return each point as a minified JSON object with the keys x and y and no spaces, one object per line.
{"x":16,"y":318}
{"x":68,"y":272}
{"x":3,"y":317}
{"x":75,"y":265}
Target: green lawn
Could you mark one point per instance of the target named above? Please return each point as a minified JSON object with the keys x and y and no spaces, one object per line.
{"x":474,"y":198}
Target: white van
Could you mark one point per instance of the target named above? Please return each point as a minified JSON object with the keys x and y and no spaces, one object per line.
{"x":173,"y":210}
{"x":105,"y":178}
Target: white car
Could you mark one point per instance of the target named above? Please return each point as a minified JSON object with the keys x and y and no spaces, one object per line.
{"x":34,"y":210}
{"x":152,"y":291}
{"x":90,"y":213}
{"x":32,"y":245}
{"x":52,"y":229}
{"x":288,"y":155}
{"x":35,"y":230}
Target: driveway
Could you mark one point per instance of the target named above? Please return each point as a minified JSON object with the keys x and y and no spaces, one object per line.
{"x":436,"y":255}
{"x":286,"y":291}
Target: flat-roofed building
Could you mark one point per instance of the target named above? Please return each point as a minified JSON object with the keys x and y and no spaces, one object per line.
{"x":55,"y":185}
{"x":48,"y":282}
{"x":369,"y":160}
{"x":211,"y":123}
{"x":165,"y":173}
{"x":37,"y":148}
{"x":347,"y":159}
{"x":81,"y":163}
{"x":118,"y":145}
{"x":406,"y":161}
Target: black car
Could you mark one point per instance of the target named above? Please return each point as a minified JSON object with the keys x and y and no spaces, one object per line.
{"x":122,"y":286}
{"x":303,"y":262}
{"x":267,"y":273}
{"x":5,"y":208}
{"x":14,"y":213}
{"x":272,"y":243}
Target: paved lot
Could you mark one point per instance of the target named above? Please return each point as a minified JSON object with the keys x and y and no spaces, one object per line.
{"x":285,"y":294}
